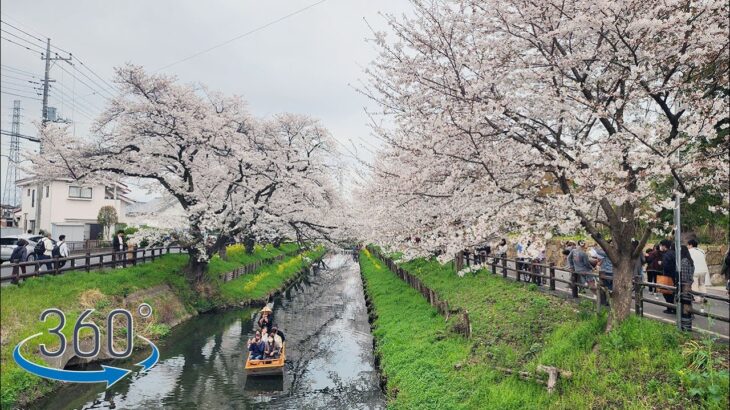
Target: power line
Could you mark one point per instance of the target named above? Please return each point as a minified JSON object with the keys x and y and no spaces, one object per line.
{"x":20,"y":45}
{"x":18,"y":78}
{"x":241,"y":35}
{"x":7,"y":86}
{"x":82,"y":82}
{"x":18,"y":95}
{"x":112,"y":87}
{"x":7,"y":67}
{"x":23,"y":31}
{"x":21,"y":38}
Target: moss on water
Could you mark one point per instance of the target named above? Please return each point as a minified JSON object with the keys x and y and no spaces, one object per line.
{"x":640,"y":365}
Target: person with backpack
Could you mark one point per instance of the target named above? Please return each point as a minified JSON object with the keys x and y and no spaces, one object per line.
{"x":44,"y":250}
{"x":60,"y":250}
{"x":20,"y":254}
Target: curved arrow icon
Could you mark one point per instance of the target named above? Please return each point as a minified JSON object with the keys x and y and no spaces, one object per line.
{"x":152,"y":359}
{"x":110,"y":374}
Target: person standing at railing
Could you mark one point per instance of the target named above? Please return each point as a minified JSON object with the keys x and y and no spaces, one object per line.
{"x":669,"y":269}
{"x":119,"y":243}
{"x":502,"y":248}
{"x":654,"y":266}
{"x":701,"y":269}
{"x":605,"y":273}
{"x":579,"y":263}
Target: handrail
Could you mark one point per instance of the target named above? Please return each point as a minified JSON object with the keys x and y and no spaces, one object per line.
{"x":69,"y":263}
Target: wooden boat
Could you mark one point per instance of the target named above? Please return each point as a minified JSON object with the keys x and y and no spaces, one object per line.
{"x":267,"y":367}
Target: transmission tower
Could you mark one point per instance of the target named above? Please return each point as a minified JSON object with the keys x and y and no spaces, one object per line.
{"x":11,"y":194}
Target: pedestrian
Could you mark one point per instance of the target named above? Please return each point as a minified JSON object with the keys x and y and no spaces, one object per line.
{"x":701,"y":269}
{"x":639,"y":266}
{"x":20,"y":254}
{"x":605,"y":274}
{"x":502,"y":248}
{"x":60,"y":250}
{"x":669,"y":270}
{"x":686,"y":275}
{"x":119,"y":243}
{"x":44,"y":249}
{"x":579,"y":263}
{"x":654,"y":266}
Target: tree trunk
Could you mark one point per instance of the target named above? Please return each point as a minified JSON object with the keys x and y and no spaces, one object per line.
{"x":623,"y":272}
{"x":249,"y":243}
{"x":196,"y":269}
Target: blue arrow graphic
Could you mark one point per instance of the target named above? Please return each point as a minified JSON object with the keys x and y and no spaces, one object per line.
{"x":152,"y":359}
{"x":110,"y":374}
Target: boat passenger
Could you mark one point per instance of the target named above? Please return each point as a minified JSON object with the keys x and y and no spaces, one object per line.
{"x":272,"y":348}
{"x":265,"y":319}
{"x":256,"y":347}
{"x":278,"y":334}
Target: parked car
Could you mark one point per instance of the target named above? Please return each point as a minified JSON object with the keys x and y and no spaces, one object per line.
{"x":7,"y":244}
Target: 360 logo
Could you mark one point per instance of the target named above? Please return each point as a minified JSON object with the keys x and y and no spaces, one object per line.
{"x":110,"y":375}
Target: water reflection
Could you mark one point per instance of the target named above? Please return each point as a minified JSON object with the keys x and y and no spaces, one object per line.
{"x":329,"y":357}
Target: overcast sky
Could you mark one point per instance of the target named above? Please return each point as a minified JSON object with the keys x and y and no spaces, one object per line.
{"x":306,"y":63}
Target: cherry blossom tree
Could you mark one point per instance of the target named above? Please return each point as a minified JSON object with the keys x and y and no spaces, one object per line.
{"x":546,"y":117}
{"x":228,"y":170}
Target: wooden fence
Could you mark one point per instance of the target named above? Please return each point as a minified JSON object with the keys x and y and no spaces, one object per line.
{"x":87,"y":262}
{"x":251,"y":267}
{"x":463,"y":327}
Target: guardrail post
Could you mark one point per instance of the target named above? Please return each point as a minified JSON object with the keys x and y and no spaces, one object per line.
{"x":494,"y":266}
{"x":573,"y":285}
{"x":88,"y":260}
{"x":518,"y":268}
{"x":504,"y":267}
{"x":16,"y":274}
{"x":114,"y":260}
{"x":168,"y":249}
{"x":144,"y":255}
{"x":552,"y":275}
{"x":55,"y":265}
{"x":638,"y":299}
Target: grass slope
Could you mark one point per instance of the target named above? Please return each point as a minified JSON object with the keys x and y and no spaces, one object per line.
{"x":20,"y":306}
{"x":639,"y":365}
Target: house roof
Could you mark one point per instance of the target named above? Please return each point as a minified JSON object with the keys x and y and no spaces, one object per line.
{"x":154,"y":206}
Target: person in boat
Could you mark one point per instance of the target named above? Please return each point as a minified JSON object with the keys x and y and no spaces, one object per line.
{"x":273,"y":349}
{"x":256,"y":347}
{"x":265,"y":319}
{"x":278,"y":334}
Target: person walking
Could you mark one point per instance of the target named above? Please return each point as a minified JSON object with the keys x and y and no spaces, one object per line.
{"x":119,"y":243}
{"x":20,"y":254}
{"x":686,"y":275}
{"x":700,"y":268}
{"x":60,"y":250}
{"x":44,"y":250}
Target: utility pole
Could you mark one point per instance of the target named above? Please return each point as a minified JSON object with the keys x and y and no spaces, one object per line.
{"x":10,"y":193}
{"x":46,"y":83}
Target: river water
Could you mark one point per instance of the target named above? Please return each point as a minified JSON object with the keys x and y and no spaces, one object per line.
{"x":329,"y":357}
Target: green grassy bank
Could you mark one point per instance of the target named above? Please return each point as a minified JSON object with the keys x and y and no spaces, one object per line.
{"x":640,"y":365}
{"x":103,"y":290}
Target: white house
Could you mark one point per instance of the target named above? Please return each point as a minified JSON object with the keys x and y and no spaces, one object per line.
{"x":165,"y":212}
{"x":69,"y":208}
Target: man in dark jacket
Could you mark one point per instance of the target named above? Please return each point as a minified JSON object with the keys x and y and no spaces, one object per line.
{"x":669,"y":268}
{"x":119,"y":243}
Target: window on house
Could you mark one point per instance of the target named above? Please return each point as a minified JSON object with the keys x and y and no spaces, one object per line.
{"x":28,"y":191}
{"x":32,"y":198}
{"x":47,"y":186}
{"x":79,"y":192}
{"x":109,"y":193}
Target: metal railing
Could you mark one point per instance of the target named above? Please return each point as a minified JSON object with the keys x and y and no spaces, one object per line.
{"x":539,"y":273}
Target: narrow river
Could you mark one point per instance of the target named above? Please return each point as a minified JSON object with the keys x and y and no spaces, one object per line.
{"x":329,"y":357}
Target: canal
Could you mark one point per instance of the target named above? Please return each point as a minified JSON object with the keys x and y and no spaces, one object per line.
{"x":329,"y":357}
